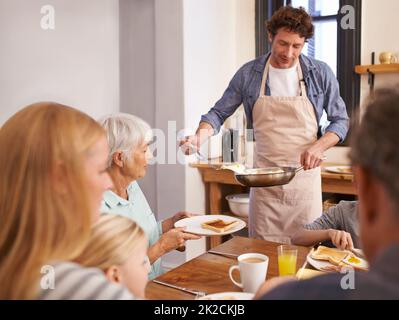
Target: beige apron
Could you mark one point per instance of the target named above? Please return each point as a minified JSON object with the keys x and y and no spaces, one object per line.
{"x":284,"y":127}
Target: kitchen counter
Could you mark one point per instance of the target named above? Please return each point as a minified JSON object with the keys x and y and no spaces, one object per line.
{"x":220,"y":183}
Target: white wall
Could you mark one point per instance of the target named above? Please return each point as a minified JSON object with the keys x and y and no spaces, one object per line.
{"x":169,"y":106}
{"x":75,"y":64}
{"x":379,"y":33}
{"x":137,"y":72}
{"x":219,"y":37}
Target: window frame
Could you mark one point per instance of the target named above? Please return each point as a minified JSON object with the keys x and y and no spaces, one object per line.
{"x":348,"y":49}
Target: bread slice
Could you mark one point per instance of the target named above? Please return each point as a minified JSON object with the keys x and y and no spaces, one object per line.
{"x":219,"y":225}
{"x":332,"y":255}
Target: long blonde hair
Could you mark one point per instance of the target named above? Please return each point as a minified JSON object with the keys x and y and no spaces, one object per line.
{"x":112,"y":241}
{"x":40,"y":222}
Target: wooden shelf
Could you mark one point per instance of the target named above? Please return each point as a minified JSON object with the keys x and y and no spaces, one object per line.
{"x":377,"y":68}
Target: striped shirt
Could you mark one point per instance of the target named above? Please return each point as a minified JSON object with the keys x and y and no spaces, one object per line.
{"x":74,"y":282}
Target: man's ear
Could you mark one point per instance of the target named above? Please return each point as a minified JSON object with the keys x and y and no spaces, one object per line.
{"x":117,"y":158}
{"x":270,"y":37}
{"x":368,"y":191}
{"x":113,"y":274}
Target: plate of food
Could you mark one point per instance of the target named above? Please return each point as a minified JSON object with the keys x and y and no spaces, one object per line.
{"x":228,"y":296}
{"x":211,"y":225}
{"x":333,"y":259}
{"x":340,"y":169}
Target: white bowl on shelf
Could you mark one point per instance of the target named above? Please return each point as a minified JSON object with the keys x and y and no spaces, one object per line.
{"x":239,"y":204}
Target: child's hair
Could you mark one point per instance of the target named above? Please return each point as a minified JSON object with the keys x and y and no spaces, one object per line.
{"x":112,"y":240}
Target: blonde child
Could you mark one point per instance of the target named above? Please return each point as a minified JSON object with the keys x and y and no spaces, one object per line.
{"x":118,"y":246}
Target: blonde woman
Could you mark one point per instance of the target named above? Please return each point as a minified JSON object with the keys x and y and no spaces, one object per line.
{"x":118,"y":246}
{"x":53,"y":162}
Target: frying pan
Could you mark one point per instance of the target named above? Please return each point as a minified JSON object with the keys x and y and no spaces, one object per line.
{"x":267,"y":177}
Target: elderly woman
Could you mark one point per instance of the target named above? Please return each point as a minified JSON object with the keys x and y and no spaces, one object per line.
{"x":128,"y":138}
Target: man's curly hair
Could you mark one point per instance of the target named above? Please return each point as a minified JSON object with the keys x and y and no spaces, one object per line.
{"x":293,"y":19}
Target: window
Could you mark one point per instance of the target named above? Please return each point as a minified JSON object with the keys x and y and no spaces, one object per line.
{"x":323,"y":46}
{"x":339,"y":48}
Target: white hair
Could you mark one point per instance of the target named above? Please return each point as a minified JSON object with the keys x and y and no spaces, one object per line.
{"x":125,"y":133}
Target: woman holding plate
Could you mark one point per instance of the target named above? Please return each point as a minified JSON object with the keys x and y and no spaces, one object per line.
{"x":128,"y":138}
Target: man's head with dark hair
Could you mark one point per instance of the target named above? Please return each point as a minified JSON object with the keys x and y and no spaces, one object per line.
{"x":295,"y":20}
{"x":288,"y":30}
{"x":375,"y":158}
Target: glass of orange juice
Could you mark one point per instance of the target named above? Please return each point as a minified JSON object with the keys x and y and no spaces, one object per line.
{"x":287,"y":256}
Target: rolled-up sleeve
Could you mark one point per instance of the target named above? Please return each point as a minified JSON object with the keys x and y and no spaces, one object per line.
{"x":227,"y":104}
{"x":335,"y":106}
{"x":329,"y":220}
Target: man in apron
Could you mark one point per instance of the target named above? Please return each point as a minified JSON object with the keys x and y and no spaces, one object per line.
{"x":284,"y":94}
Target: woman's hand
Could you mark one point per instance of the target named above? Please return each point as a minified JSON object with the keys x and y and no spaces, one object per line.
{"x":174,"y":239}
{"x":341,"y":239}
{"x":169,"y":224}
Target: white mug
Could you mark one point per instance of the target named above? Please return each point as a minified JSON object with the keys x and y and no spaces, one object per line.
{"x":253,"y":270}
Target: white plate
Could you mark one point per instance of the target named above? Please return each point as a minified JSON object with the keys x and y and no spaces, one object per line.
{"x":318,"y":264}
{"x":193,"y":225}
{"x":228,"y":296}
{"x":338,"y":169}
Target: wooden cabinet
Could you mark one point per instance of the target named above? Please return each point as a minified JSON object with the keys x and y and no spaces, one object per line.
{"x":220,"y":183}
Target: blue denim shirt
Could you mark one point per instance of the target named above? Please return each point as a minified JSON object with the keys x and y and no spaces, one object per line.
{"x":322,"y":89}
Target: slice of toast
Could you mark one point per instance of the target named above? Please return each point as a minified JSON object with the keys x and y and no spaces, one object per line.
{"x":218,"y":225}
{"x":332,"y":255}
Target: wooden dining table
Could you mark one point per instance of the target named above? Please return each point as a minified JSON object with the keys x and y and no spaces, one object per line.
{"x":209,"y":272}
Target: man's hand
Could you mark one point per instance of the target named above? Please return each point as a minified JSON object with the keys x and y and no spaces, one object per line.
{"x":341,"y":239}
{"x":190,"y":144}
{"x":193,"y":143}
{"x":314,"y":155}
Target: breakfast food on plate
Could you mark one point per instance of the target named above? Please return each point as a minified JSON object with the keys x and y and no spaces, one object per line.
{"x":339,"y":258}
{"x":219,"y":225}
{"x":332,"y":255}
{"x":355,"y":262}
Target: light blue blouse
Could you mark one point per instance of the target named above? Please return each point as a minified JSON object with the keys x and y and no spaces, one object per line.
{"x":137,"y":209}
